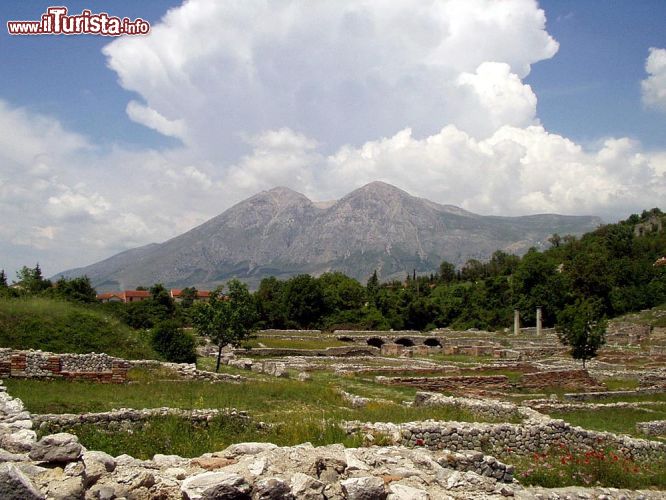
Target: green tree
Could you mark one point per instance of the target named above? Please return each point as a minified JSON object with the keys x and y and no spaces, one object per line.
{"x":270,"y":303}
{"x":3,"y":279}
{"x":226,"y":318}
{"x":172,"y":342}
{"x":31,"y":280}
{"x":160,"y":296}
{"x":188,"y":295}
{"x":76,"y":290}
{"x":304,"y":300}
{"x":372,"y":287}
{"x":447,"y":272}
{"x":582,"y":327}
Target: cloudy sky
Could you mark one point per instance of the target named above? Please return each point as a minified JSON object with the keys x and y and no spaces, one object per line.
{"x":504,"y":107}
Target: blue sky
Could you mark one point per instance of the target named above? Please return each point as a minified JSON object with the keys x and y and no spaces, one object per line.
{"x":591,"y":88}
{"x":503,"y":108}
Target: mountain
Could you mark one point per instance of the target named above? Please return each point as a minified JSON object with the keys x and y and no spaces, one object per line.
{"x":281,"y":233}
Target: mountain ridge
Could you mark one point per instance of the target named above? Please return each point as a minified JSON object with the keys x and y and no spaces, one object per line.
{"x":282,"y":232}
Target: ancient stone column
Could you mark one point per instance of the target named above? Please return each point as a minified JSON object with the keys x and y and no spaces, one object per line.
{"x":516,"y":321}
{"x":538,"y":320}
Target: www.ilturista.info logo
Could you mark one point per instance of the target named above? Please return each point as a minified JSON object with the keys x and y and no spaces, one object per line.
{"x":55,"y":21}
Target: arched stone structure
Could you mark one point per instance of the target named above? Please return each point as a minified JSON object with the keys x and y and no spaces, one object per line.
{"x":432,"y":342}
{"x":376,"y":342}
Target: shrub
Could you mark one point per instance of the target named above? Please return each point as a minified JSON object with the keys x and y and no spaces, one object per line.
{"x":170,"y":341}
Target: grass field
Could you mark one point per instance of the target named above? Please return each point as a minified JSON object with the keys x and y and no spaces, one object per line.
{"x":616,"y":420}
{"x":58,"y":326}
{"x":298,"y":411}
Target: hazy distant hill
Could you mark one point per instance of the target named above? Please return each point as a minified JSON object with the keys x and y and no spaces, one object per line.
{"x":281,"y":233}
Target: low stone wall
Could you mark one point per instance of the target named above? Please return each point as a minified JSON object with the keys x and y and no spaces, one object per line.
{"x":37,"y":364}
{"x":593,"y":396}
{"x":187,"y":371}
{"x":485,"y":408}
{"x":297,"y":333}
{"x":568,"y":379}
{"x":530,"y":437}
{"x":626,"y":333}
{"x":454,"y":383}
{"x":652,"y":428}
{"x":653,"y":380}
{"x":128,"y":417}
{"x":342,"y":351}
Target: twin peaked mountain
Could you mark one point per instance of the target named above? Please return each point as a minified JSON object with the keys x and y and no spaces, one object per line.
{"x":281,"y":233}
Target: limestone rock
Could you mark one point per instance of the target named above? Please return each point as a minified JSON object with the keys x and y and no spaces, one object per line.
{"x":20,"y":441}
{"x":97,"y":464}
{"x":57,"y":448}
{"x":272,"y":489}
{"x":69,"y":488}
{"x":14,"y":485}
{"x":364,"y":488}
{"x":212,"y":463}
{"x":306,"y":487}
{"x":402,"y":492}
{"x":239,"y":449}
{"x":215,"y":486}
{"x":168,"y":460}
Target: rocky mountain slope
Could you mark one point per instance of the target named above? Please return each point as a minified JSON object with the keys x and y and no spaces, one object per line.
{"x":281,"y":233}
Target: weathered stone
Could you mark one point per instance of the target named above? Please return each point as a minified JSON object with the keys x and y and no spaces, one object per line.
{"x":57,"y":448}
{"x":96,"y":464}
{"x":306,"y":487}
{"x":19,"y":441}
{"x":239,"y":449}
{"x":69,"y":488}
{"x":402,"y":492}
{"x":212,"y":463}
{"x":271,"y":489}
{"x":14,"y":485}
{"x":215,"y":486}
{"x":6,"y":456}
{"x":364,"y":488}
{"x":168,"y":460}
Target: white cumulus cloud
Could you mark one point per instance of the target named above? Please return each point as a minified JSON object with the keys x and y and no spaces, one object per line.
{"x":654,"y":86}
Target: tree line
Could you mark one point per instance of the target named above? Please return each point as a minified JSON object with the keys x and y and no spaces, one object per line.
{"x":604,"y":273}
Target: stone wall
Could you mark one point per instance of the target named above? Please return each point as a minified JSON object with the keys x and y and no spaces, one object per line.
{"x":37,"y":364}
{"x":128,"y":417}
{"x":453,"y":383}
{"x":187,"y":371}
{"x":342,"y":351}
{"x":523,"y":439}
{"x":653,"y":380}
{"x":652,"y":428}
{"x":627,"y":333}
{"x":486,"y":408}
{"x":592,"y":396}
{"x":568,"y":379}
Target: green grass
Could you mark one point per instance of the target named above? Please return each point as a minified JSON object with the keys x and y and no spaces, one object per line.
{"x":609,"y":468}
{"x":271,"y":400}
{"x":616,"y":420}
{"x":621,"y":384}
{"x":172,"y":435}
{"x":58,"y":326}
{"x":460,"y":358}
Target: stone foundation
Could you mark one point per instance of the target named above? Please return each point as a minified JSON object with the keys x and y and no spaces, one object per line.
{"x":128,"y":417}
{"x":455,"y":383}
{"x":567,"y":379}
{"x":37,"y":364}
